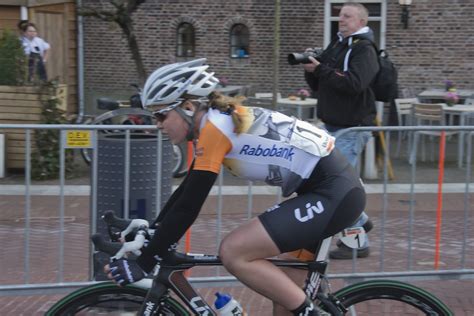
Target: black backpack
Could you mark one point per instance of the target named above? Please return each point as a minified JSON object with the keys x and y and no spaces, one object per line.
{"x":385,"y":85}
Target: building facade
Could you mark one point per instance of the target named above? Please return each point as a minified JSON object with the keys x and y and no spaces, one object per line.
{"x":238,"y":39}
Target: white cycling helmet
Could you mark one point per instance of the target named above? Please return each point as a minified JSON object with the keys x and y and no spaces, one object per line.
{"x":172,"y":83}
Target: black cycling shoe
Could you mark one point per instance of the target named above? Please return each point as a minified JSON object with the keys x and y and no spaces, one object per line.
{"x":344,"y":252}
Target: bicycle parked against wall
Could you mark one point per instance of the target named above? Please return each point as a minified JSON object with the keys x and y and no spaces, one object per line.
{"x":130,"y":113}
{"x":152,"y":296}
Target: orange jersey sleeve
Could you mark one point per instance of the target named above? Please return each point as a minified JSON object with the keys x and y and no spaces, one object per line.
{"x":211,"y":149}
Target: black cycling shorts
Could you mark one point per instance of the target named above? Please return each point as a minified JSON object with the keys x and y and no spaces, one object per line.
{"x":332,"y":203}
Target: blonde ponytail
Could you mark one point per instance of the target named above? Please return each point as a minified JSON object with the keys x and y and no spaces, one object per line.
{"x":228,"y":105}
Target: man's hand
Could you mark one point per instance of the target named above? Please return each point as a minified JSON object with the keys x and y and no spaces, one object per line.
{"x":124,"y":272}
{"x":311,"y":67}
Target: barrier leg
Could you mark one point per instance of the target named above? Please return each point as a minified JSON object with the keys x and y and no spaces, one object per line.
{"x":370,"y":168}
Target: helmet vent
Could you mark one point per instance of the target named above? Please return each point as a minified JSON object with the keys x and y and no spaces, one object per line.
{"x":169,"y":91}
{"x":155,"y":91}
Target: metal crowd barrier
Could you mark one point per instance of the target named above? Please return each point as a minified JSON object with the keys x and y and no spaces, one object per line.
{"x":459,"y":266}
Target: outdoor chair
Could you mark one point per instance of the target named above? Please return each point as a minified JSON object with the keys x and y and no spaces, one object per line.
{"x":404,"y":113}
{"x":426,"y":114}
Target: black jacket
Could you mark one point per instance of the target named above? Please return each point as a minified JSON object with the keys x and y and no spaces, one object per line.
{"x":344,"y":97}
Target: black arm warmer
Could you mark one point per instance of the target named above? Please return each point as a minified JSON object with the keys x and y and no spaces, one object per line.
{"x":179,"y":217}
{"x":173,"y":198}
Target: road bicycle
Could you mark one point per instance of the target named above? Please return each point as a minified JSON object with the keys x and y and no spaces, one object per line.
{"x":130,"y":113}
{"x":153,"y":296}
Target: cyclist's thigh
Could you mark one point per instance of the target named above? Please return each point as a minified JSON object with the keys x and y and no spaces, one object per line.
{"x":298,"y":222}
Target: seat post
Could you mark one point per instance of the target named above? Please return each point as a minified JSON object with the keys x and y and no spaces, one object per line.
{"x":323,"y":251}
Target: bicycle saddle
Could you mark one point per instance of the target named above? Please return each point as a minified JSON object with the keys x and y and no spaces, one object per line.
{"x":107,"y":104}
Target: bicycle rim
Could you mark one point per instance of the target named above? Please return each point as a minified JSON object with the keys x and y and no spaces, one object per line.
{"x":388,"y":297}
{"x":109,"y":299}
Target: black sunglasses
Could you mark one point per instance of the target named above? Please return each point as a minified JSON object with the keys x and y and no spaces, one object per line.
{"x":160,"y":117}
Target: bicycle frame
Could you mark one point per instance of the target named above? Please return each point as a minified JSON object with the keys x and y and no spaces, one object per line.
{"x":170,"y":276}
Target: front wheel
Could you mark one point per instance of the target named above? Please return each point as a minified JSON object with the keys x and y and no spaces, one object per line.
{"x":109,"y":299}
{"x":387,"y":297}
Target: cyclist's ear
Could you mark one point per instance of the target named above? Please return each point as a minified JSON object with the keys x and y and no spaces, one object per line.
{"x":189,"y":106}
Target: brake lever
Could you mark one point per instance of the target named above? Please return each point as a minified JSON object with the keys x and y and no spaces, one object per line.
{"x":131,"y":246}
{"x":134,"y":225}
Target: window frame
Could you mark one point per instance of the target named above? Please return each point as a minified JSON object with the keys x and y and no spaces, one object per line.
{"x":182,"y":41}
{"x":235,"y":47}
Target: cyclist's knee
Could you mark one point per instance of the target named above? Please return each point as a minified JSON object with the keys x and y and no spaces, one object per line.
{"x":228,"y":252}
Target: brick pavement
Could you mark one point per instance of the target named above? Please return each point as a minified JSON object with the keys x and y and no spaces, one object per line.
{"x":457,"y":294}
{"x":45,"y":229}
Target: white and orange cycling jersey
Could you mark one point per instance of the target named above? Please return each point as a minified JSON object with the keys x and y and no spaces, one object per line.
{"x":273,"y":147}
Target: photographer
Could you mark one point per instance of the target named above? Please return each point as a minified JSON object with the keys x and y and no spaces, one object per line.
{"x":340,"y":78}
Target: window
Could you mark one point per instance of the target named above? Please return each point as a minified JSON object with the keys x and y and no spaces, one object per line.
{"x":377,"y":14}
{"x":186,"y":41}
{"x":239,"y":41}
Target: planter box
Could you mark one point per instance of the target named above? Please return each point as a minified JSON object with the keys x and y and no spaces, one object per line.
{"x":21,"y":105}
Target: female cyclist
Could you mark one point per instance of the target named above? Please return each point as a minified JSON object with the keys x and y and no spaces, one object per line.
{"x":256,"y":144}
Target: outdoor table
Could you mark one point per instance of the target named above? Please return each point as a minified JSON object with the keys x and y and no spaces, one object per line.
{"x":298,"y":105}
{"x":438,"y":95}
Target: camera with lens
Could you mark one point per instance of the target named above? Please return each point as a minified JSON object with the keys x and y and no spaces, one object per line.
{"x":302,"y":58}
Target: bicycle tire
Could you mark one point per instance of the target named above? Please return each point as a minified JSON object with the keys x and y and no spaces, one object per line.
{"x":107,"y":298}
{"x":422,"y":301}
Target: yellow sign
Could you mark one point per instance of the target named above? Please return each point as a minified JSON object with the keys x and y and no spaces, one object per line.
{"x":78,"y":139}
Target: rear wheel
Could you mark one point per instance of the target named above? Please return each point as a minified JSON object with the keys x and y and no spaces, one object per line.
{"x":382,"y":297}
{"x":109,"y":299}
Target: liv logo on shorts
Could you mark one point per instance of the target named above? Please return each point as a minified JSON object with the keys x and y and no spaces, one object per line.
{"x":310,"y":211}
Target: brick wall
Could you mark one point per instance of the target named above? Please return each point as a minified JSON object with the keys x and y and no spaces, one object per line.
{"x":437,"y":45}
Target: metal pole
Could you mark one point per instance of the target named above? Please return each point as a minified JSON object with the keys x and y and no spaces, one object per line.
{"x":126,"y":182}
{"x":467,"y":200}
{"x":159,"y":167}
{"x":276,"y":53}
{"x":61,"y":209}
{"x":93,"y":219}
{"x":219,"y":212}
{"x":27,"y":205}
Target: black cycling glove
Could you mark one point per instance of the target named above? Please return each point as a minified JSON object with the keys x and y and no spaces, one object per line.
{"x":126,"y":271}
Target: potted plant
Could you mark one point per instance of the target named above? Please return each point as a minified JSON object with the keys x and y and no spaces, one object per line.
{"x":451,"y":97}
{"x":303,"y":94}
{"x":223,"y":81}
